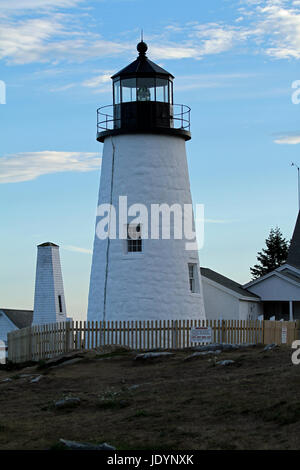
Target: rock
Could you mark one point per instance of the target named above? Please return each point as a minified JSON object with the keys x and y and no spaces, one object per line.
{"x":271,"y":346}
{"x":65,"y":403}
{"x":153,"y":355}
{"x":8,"y":379}
{"x":73,"y":445}
{"x":230,"y":347}
{"x":69,"y":363}
{"x":227,"y":362}
{"x":133,"y":387}
{"x":201,"y":354}
{"x":36,"y":379}
{"x":55,"y":361}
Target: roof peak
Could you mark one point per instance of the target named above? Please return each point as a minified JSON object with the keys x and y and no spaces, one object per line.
{"x":142,"y":66}
{"x":294,"y":249}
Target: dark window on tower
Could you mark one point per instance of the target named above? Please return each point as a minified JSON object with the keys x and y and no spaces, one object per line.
{"x":134,"y":238}
{"x":192,"y":277}
{"x":60,"y":303}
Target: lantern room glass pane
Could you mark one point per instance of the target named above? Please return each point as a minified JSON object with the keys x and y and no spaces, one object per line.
{"x":171,"y":92}
{"x":145,"y":89}
{"x":128,"y":90}
{"x":117,"y":95}
{"x":162,"y":90}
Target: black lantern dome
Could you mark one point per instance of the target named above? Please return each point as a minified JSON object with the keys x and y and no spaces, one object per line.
{"x":143,"y":102}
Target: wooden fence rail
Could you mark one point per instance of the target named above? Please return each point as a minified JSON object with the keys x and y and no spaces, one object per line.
{"x":45,"y":341}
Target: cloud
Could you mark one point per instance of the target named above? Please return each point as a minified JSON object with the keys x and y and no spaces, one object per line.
{"x":271,"y":27}
{"x":52,"y":39}
{"x":288,"y":139}
{"x":30,"y":165}
{"x":15,"y":5}
{"x":77,"y":249}
{"x":281,"y":27}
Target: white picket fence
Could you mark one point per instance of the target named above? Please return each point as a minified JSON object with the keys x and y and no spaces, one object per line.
{"x":45,"y":341}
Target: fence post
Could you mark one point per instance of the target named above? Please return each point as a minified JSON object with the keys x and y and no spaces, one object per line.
{"x":29,"y":351}
{"x":223,"y":331}
{"x":175,"y":335}
{"x":263,"y":331}
{"x":297,"y":329}
{"x":67,"y":338}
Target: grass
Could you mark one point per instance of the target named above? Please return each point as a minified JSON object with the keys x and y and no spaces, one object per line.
{"x":177,"y":405}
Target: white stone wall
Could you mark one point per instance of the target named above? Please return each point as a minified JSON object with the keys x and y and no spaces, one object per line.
{"x":5,"y":326}
{"x":48,"y":286}
{"x":153,"y":284}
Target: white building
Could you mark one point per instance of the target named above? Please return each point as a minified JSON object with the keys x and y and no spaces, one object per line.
{"x":144,"y":159}
{"x":226,"y":299}
{"x":49,"y":297}
{"x":11,"y":320}
{"x":279,"y":290}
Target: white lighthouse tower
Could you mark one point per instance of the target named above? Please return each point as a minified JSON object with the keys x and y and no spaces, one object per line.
{"x":49,"y":297}
{"x":139,"y":272}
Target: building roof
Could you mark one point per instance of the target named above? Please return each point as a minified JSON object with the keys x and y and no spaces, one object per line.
{"x":48,"y":244}
{"x":20,"y":318}
{"x":142,"y":66}
{"x":226,"y":282}
{"x":294,"y":250}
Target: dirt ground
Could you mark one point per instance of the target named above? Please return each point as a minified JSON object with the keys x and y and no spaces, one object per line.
{"x":171,"y":404}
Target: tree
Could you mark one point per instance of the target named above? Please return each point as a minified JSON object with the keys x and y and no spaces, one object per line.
{"x":274,"y":255}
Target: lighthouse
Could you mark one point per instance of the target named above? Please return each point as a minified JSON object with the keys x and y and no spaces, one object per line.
{"x":144,"y":266}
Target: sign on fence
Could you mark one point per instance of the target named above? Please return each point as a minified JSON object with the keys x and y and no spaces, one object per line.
{"x":201,"y":335}
{"x":284,"y":335}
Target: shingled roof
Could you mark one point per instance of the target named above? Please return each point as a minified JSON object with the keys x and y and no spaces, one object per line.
{"x":20,"y":318}
{"x":226,"y":282}
{"x":294,"y":251}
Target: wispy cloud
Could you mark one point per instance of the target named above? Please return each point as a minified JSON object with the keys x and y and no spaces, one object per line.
{"x":288,"y":139}
{"x":17,"y":5}
{"x":271,"y":27}
{"x":29,"y":166}
{"x":77,"y":249}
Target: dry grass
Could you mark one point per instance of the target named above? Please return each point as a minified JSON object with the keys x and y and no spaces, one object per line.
{"x":251,"y":404}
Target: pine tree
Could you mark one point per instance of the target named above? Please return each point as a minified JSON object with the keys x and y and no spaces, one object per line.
{"x":274,"y":255}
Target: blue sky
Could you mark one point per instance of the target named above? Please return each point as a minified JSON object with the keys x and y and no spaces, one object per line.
{"x":234,"y":63}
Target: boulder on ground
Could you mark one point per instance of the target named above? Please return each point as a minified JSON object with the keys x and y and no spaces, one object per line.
{"x":69,"y":402}
{"x":227,"y":362}
{"x":153,"y":355}
{"x":201,"y":354}
{"x":269,"y":347}
{"x":73,"y":445}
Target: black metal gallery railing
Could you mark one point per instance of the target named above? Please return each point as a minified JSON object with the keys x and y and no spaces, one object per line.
{"x":143,"y":115}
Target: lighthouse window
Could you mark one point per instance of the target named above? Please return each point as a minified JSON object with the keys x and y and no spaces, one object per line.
{"x":134,"y":238}
{"x":60,"y":303}
{"x":192,"y":276}
{"x":117,"y":94}
{"x":128,"y":90}
{"x":162,"y":90}
{"x":145,"y":89}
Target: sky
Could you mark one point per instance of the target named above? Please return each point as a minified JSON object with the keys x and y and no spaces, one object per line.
{"x":235,"y":64}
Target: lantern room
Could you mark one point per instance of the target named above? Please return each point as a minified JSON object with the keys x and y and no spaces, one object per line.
{"x":143,"y":102}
